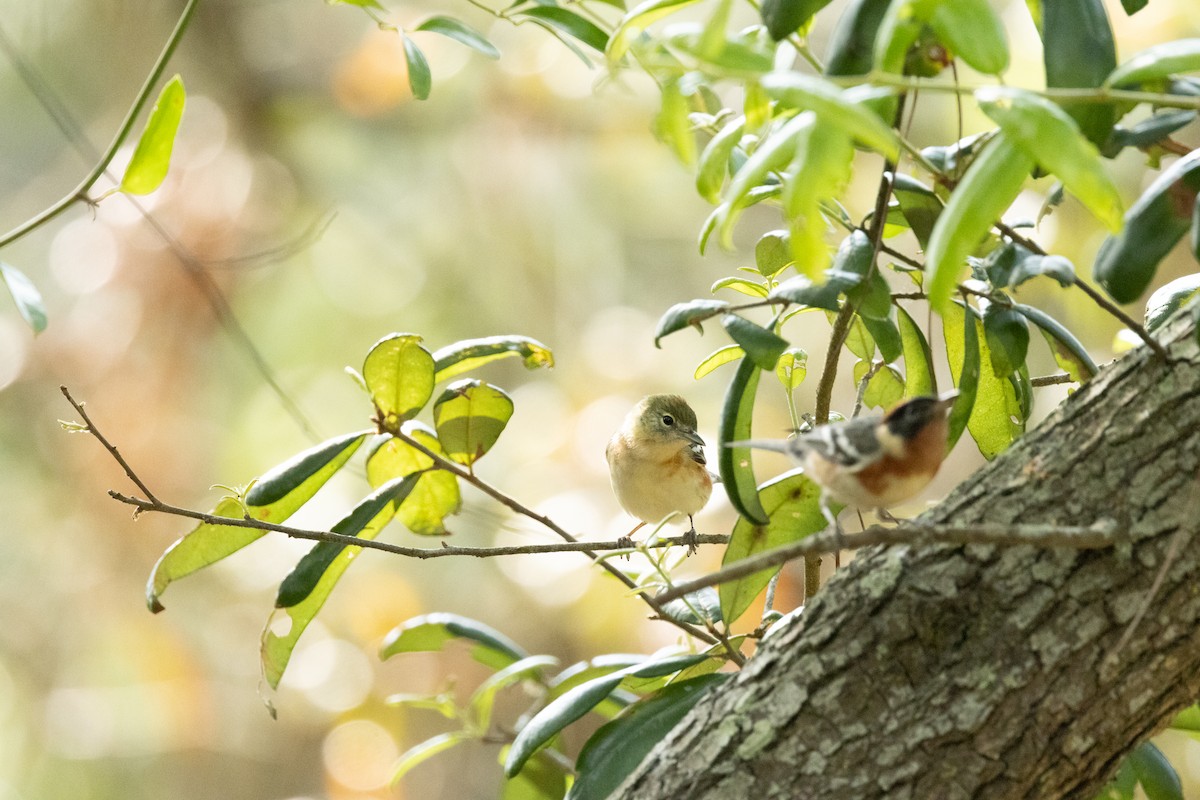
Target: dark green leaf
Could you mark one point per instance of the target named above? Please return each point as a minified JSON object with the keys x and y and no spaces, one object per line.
{"x":28,"y":299}
{"x":470,"y":415}
{"x":430,"y":632}
{"x":886,"y":336}
{"x":1155,"y":63}
{"x":991,"y":184}
{"x":1133,"y":6}
{"x":1156,"y":775}
{"x":682,"y":315}
{"x":761,"y":345}
{"x":436,"y":495}
{"x":734,"y":463}
{"x":962,"y":353}
{"x":996,"y":417}
{"x":918,"y":357}
{"x":398,"y":372}
{"x":570,"y":23}
{"x":1068,"y":352}
{"x":1010,"y":265}
{"x":1170,"y":298}
{"x":420,"y":81}
{"x":873,"y":298}
{"x":952,"y":158}
{"x":460,"y":32}
{"x":617,"y":748}
{"x":301,"y":581}
{"x":1007,"y":336}
{"x":585,"y":671}
{"x":152,"y":155}
{"x":919,"y":205}
{"x":803,"y":291}
{"x":792,"y":503}
{"x":700,"y":607}
{"x":281,"y":490}
{"x":784,"y":17}
{"x":851,"y":46}
{"x":1079,"y":53}
{"x":469,"y":354}
{"x":1127,"y":261}
{"x":1149,"y":131}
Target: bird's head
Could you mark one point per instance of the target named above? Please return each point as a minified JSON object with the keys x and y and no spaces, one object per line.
{"x":908,"y":418}
{"x":664,"y":418}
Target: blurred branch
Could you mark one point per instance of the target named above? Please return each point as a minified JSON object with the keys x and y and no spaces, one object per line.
{"x":1096,"y":537}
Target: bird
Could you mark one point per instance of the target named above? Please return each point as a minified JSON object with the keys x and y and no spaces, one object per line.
{"x":871,"y":462}
{"x":657,"y":465}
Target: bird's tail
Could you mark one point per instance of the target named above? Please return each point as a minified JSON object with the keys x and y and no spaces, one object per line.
{"x":778,"y":445}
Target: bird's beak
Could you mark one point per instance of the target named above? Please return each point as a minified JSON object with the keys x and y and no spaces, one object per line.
{"x":692,"y":436}
{"x":947,"y":399}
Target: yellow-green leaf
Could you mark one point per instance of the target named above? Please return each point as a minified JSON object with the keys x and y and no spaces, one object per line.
{"x":720,"y":356}
{"x":152,"y":156}
{"x":436,"y":495}
{"x":453,"y":360}
{"x":399,"y":374}
{"x":469,"y":416}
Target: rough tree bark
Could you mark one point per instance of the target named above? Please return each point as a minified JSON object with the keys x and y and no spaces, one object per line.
{"x":980,"y":672}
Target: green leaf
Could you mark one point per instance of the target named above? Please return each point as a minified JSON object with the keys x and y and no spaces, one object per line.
{"x":792,"y":368}
{"x":1052,"y":138}
{"x":1156,"y":775}
{"x":28,"y":299}
{"x":772,"y":253}
{"x":1069,"y":353}
{"x":436,"y":495}
{"x":1154,"y":224}
{"x":358,"y":3}
{"x":803,"y":291}
{"x":279,"y":638}
{"x":1148,"y":131}
{"x":717,"y":358}
{"x":1079,"y":53}
{"x":584,"y":671}
{"x":886,"y":336}
{"x":1169,"y":298}
{"x":742,"y":286}
{"x":996,"y":416}
{"x":701,"y":607}
{"x":991,"y":184}
{"x":782,"y":18}
{"x":570,"y":23}
{"x":1007,"y":337}
{"x":370,"y":515}
{"x":573,"y":704}
{"x":616,"y":749}
{"x":673,"y":125}
{"x":713,"y":165}
{"x":833,"y":107}
{"x":1157,"y":63}
{"x":541,"y":779}
{"x":281,"y":490}
{"x":761,"y":345}
{"x":637,"y":20}
{"x":792,"y":503}
{"x":460,"y":32}
{"x":420,"y":80}
{"x":1187,"y":721}
{"x":430,"y":632}
{"x":453,"y":360}
{"x":470,"y":415}
{"x":1011,"y":264}
{"x":682,"y":315}
{"x":426,"y":750}
{"x":399,"y":374}
{"x":962,"y":353}
{"x":734,"y":463}
{"x":484,"y":697}
{"x":820,"y":171}
{"x":973,"y":31}
{"x":919,"y":204}
{"x":203,"y":545}
{"x":152,"y":155}
{"x":852,"y":43}
{"x":918,"y":357}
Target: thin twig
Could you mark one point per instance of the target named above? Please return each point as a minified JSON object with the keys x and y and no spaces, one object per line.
{"x":1095,"y":537}
{"x":1051,"y":380}
{"x":112,"y":450}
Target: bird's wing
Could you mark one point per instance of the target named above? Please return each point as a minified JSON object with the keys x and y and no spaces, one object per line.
{"x":850,"y":444}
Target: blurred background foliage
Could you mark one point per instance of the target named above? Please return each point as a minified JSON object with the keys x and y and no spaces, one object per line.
{"x":526,"y":196}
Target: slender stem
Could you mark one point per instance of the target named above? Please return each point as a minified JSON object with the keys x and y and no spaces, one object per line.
{"x":80,"y":191}
{"x":112,"y":450}
{"x":1096,"y":537}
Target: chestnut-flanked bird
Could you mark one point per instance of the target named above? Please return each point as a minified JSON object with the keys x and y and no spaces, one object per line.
{"x":657,"y":465}
{"x":872,"y":462}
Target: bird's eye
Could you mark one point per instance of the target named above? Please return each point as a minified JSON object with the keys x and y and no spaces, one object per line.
{"x":668,"y":420}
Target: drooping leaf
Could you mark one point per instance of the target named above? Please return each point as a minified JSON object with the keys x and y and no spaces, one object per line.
{"x":453,"y":360}
{"x":1149,"y":131}
{"x":420,"y":79}
{"x":782,"y":18}
{"x":763,"y":346}
{"x":1127,"y":261}
{"x":1069,"y":353}
{"x":426,"y":750}
{"x":436,"y":495}
{"x":569,"y":23}
{"x":820,"y":171}
{"x":973,"y":31}
{"x":683,"y":315}
{"x":962,"y":353}
{"x":616,"y":749}
{"x":1169,"y":298}
{"x":673,"y":125}
{"x":369,"y":516}
{"x":1053,"y":139}
{"x":398,"y":372}
{"x":469,"y":416}
{"x":1011,"y":264}
{"x":1158,"y":62}
{"x":430,"y":632}
{"x":996,"y":416}
{"x":734,"y":463}
{"x":792,"y":503}
{"x":542,"y":778}
{"x":1079,"y":52}
{"x":203,"y":545}
{"x":991,"y":184}
{"x":886,"y":336}
{"x":1007,"y":337}
{"x":152,"y":155}
{"x":279,"y":637}
{"x":832,"y":107}
{"x":281,"y":490}
{"x":28,"y":299}
{"x":851,"y":46}
{"x":1156,"y":775}
{"x":701,"y":607}
{"x":918,"y":357}
{"x":460,"y":32}
{"x":717,"y":358}
{"x":803,"y":291}
{"x":919,"y":204}
{"x":584,"y":671}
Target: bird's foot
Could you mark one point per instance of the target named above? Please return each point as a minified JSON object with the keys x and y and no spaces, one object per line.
{"x":691,"y":539}
{"x":886,"y":516}
{"x":625,"y":541}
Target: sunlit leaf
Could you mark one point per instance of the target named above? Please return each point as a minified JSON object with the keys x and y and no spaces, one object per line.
{"x":203,"y":545}
{"x":430,"y":632}
{"x":281,"y":490}
{"x":918,"y":357}
{"x":831,"y":105}
{"x":453,"y":360}
{"x":26,"y":296}
{"x":436,"y":495}
{"x":713,"y":164}
{"x":740,"y":285}
{"x":884,"y":389}
{"x":426,"y":750}
{"x":772,"y":253}
{"x":683,"y":315}
{"x":1069,"y":353}
{"x":962,"y":353}
{"x":484,"y":697}
{"x":1158,"y":62}
{"x":971,"y":30}
{"x":637,"y":20}
{"x":997,"y":418}
{"x":792,"y":503}
{"x":460,"y":32}
{"x":1169,"y":298}
{"x":616,"y":749}
{"x":420,"y":80}
{"x":820,"y":171}
{"x":792,"y":368}
{"x":469,"y":416}
{"x":152,"y":155}
{"x":719,"y":357}
{"x":569,"y":23}
{"x":399,"y":373}
{"x":542,"y":778}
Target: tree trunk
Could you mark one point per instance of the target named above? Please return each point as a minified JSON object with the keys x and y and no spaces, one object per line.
{"x":979,"y":671}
